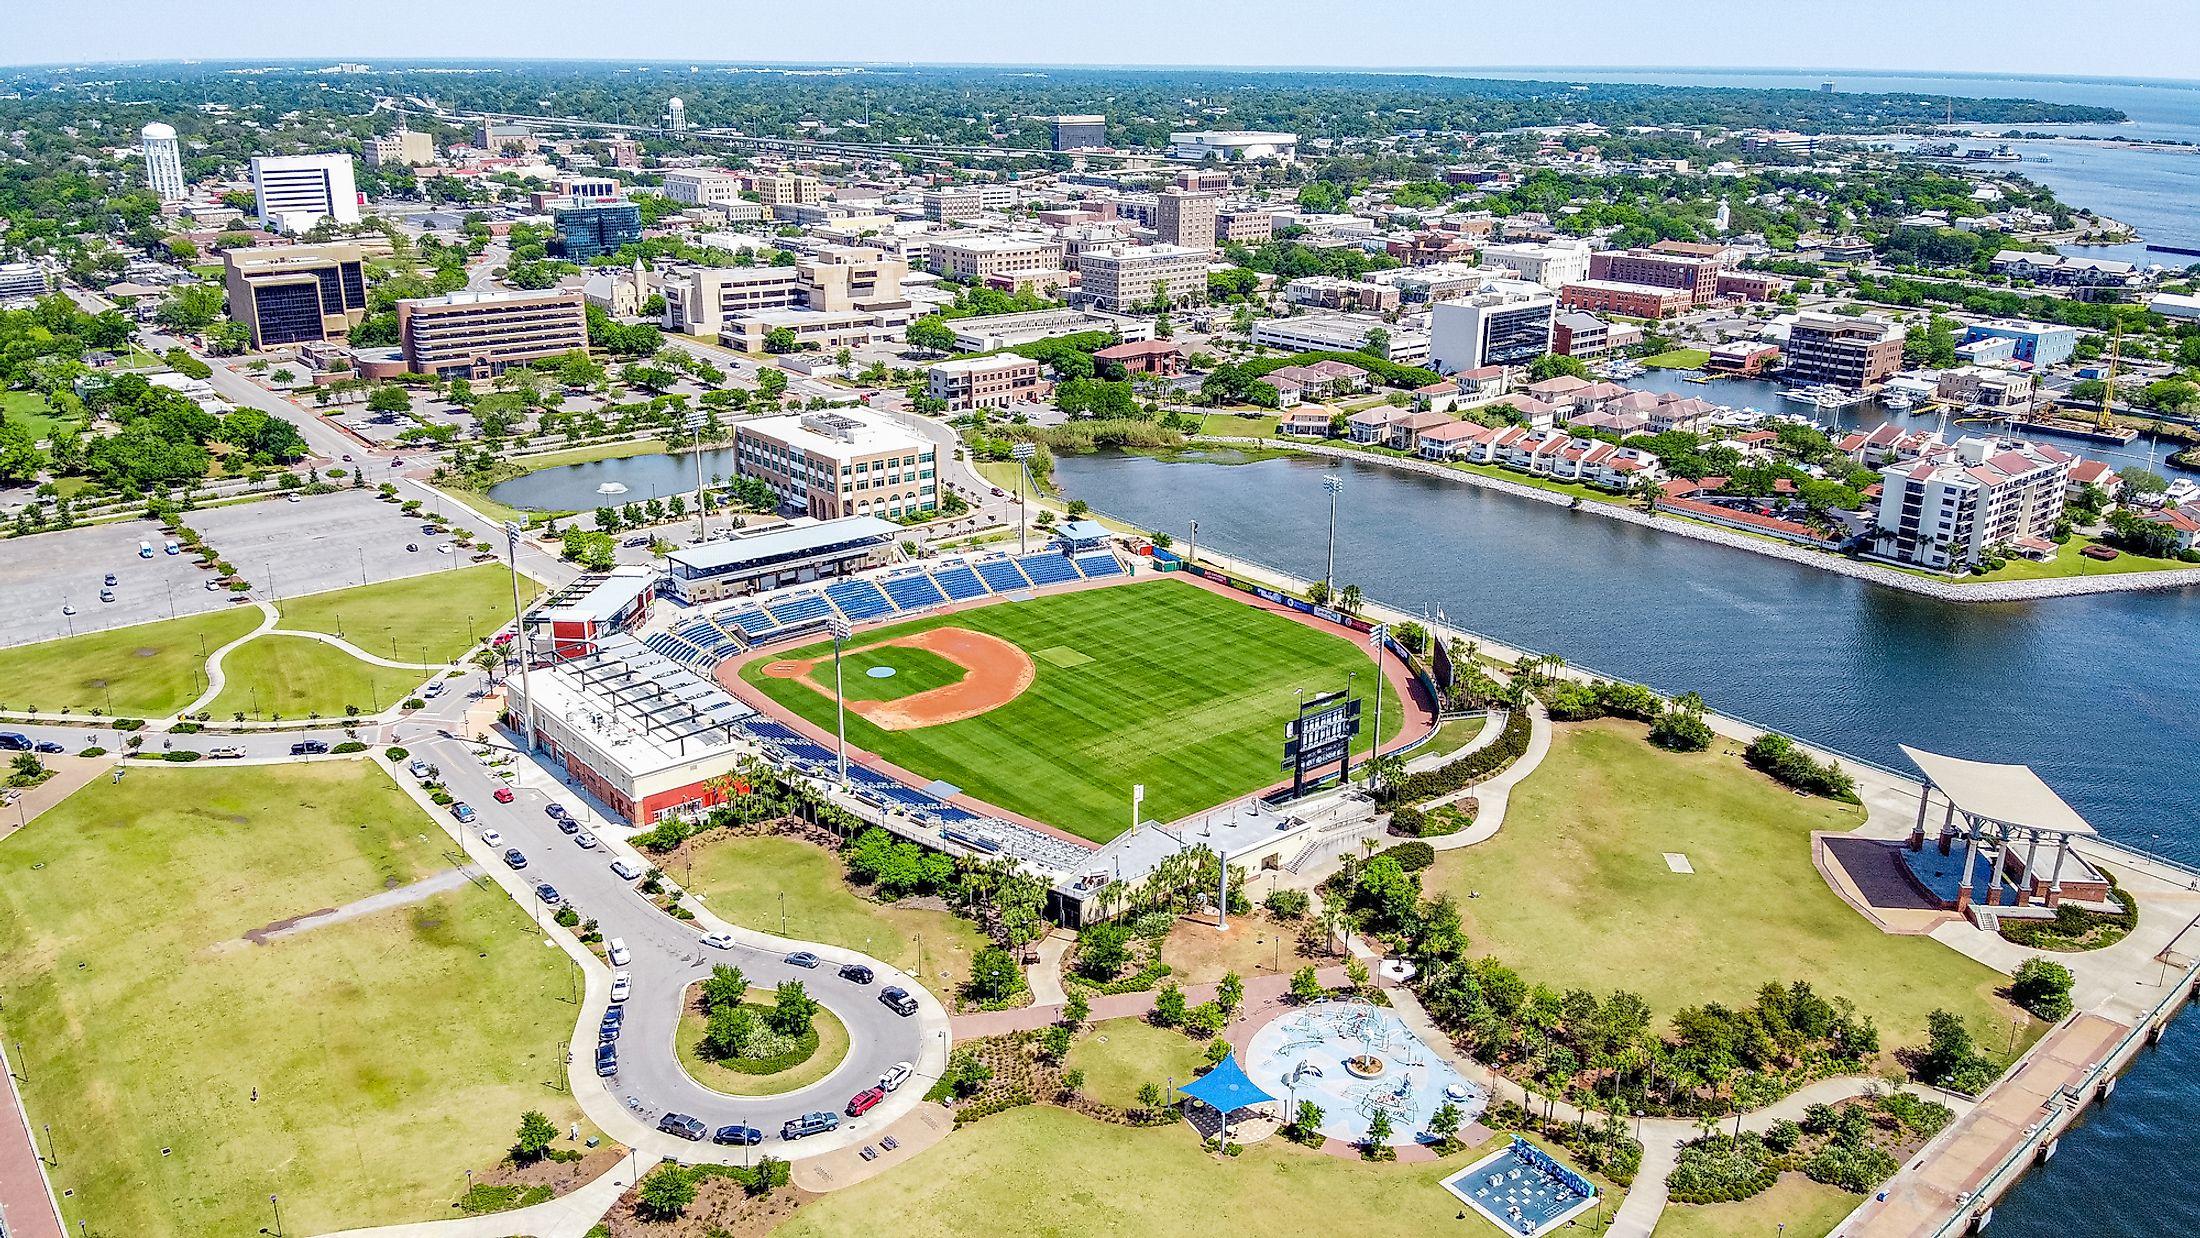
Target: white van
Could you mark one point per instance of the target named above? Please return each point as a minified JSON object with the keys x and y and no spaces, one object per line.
{"x":619,"y":955}
{"x":145,"y":550}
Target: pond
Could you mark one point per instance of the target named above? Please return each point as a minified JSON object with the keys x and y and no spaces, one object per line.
{"x":634,"y":479}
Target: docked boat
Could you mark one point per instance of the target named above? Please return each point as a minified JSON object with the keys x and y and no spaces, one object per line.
{"x":2183,"y":491}
{"x":1898,"y":401}
{"x":2075,"y":427}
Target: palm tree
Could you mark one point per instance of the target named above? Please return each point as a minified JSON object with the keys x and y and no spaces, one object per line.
{"x":1348,"y":599}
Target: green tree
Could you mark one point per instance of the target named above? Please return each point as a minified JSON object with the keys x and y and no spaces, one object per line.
{"x":1230,"y":993}
{"x":725,"y":986}
{"x":1378,"y":1129}
{"x":536,"y":1134}
{"x":1055,"y":1041}
{"x":994,"y":975}
{"x":792,"y":1009}
{"x":1444,"y":1123}
{"x":1077,"y":1009}
{"x":932,"y":334}
{"x":1305,"y":987}
{"x":2042,"y":987}
{"x":1308,"y":1121}
{"x":781,"y":340}
{"x":389,"y":398}
{"x":1103,"y":950}
{"x":1168,"y":1006}
{"x":1150,"y":1095}
{"x":665,"y":1192}
{"x":1551,"y":365}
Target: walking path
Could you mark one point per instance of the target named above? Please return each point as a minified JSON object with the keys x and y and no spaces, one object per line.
{"x":1045,"y":976}
{"x":1491,"y":797}
{"x":404,"y":895}
{"x":1259,"y":991}
{"x":27,"y":1205}
{"x":355,"y":651}
{"x":215,"y":680}
{"x":568,"y":1216}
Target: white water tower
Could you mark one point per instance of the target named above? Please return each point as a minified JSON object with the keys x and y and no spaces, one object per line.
{"x":676,"y":117}
{"x":163,"y":161}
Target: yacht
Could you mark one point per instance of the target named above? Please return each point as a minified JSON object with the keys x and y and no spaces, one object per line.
{"x":2182,"y":491}
{"x":1898,"y":401}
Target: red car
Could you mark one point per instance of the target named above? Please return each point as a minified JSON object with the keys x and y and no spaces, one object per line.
{"x":861,"y":1102}
{"x":504,"y":795}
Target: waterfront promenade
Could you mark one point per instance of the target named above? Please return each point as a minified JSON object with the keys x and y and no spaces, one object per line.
{"x":1945,"y":590}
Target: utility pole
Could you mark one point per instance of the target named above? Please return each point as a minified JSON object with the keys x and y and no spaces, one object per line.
{"x":1332,"y":483}
{"x":1193,"y":556}
{"x":841,"y":632}
{"x":1021,"y":453}
{"x":519,"y":636}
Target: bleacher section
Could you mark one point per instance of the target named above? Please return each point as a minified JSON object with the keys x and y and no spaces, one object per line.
{"x":915,"y":591}
{"x":1049,"y":568}
{"x":800,"y":608}
{"x":1097,"y":563}
{"x":859,"y":600}
{"x":959,"y":582}
{"x":1002,"y":575}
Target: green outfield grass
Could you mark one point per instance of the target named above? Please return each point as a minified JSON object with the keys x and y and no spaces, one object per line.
{"x":1186,"y":692}
{"x":1576,"y":892}
{"x":915,"y":670}
{"x":293,"y":676}
{"x":430,"y":618}
{"x":357,"y":1069}
{"x":146,"y":669}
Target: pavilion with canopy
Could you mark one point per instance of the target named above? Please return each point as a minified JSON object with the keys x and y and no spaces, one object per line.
{"x":1996,"y":809}
{"x":1226,"y":1090}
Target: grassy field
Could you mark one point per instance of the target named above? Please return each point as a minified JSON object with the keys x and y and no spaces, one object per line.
{"x":832,"y":1048}
{"x":1186,"y":692}
{"x":1454,"y":735}
{"x":1121,"y":1055}
{"x":1231,"y":425}
{"x":141,"y":670}
{"x":1042,"y":1170}
{"x":294,"y":676}
{"x":2067,"y":561}
{"x":356,"y":1069}
{"x":1679,"y":359}
{"x":586,"y":455}
{"x":29,"y":410}
{"x":742,"y":880}
{"x":915,"y":670}
{"x":1576,"y":892}
{"x":431,"y":618}
{"x":1794,"y":1206}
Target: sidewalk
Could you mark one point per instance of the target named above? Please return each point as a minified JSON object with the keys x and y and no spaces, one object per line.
{"x":26,"y":1198}
{"x":1259,"y":991}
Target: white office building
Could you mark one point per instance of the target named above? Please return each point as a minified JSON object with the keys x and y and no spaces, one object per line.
{"x":1507,"y":322}
{"x":703,"y":187}
{"x":293,"y":193}
{"x":1553,"y":264}
{"x":1236,"y":144}
{"x":1341,"y":333}
{"x":163,"y":161}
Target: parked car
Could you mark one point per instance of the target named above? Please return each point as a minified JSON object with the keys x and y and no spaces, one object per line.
{"x":502,"y":795}
{"x":48,"y":746}
{"x":557,"y":812}
{"x":809,"y":1124}
{"x":643,"y":540}
{"x":419,"y":769}
{"x":15,"y":741}
{"x":607,"y":1059}
{"x":549,"y":894}
{"x":861,"y":1102}
{"x":855,"y":973}
{"x":896,"y":1075}
{"x":106,"y":595}
{"x":111,"y":580}
{"x":739,"y":1136}
{"x":718,"y":941}
{"x":227,"y":752}
{"x":490,"y":838}
{"x":463,"y":811}
{"x":897,"y":999}
{"x":567,"y":825}
{"x":433,"y":690}
{"x":620,"y":956}
{"x":621,"y":985}
{"x":625,"y":870}
{"x":308,"y":748}
{"x":585,"y":841}
{"x":607,"y":1032}
{"x":683,"y":1125}
{"x":803,"y":958}
{"x":615,"y":1016}
{"x":514,"y":858}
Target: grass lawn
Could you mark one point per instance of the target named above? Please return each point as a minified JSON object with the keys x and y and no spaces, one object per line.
{"x":1121,"y":1055}
{"x":832,"y":1049}
{"x":145,"y":669}
{"x":501,"y":513}
{"x":743,"y":878}
{"x":1002,"y":473}
{"x":1231,"y":425}
{"x":585,"y":455}
{"x":1679,"y":359}
{"x":1454,"y":735}
{"x":293,"y":676}
{"x":430,"y":618}
{"x":1576,"y":892}
{"x":389,"y":1052}
{"x":1043,"y":1170}
{"x":2068,"y":562}
{"x":1805,"y":1208}
{"x":29,"y":410}
{"x":1254,"y":945}
{"x":915,"y":670}
{"x":1186,"y":692}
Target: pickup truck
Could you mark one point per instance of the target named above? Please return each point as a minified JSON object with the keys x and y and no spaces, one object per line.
{"x":809,"y":1124}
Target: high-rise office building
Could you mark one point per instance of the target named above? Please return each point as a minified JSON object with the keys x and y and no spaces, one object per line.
{"x":405,"y":148}
{"x":479,"y":335}
{"x":292,"y":193}
{"x":1079,"y":132}
{"x":585,"y":231}
{"x":163,"y":161}
{"x":1506,"y":322}
{"x":296,"y":294}
{"x":1185,"y":218}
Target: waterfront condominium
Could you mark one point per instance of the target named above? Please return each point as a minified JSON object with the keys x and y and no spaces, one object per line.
{"x":478,"y":335}
{"x":1951,"y":508}
{"x":163,"y":161}
{"x":292,"y":193}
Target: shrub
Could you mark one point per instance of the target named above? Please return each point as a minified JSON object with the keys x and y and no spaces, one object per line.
{"x":395,"y":754}
{"x":1413,"y":856}
{"x":1681,"y":730}
{"x":1779,"y":756}
{"x":349,"y":745}
{"x":1511,"y":742}
{"x":1721,"y":1168}
{"x":1287,"y":904}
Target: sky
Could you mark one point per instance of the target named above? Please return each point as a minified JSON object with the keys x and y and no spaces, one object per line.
{"x":2130,"y":38}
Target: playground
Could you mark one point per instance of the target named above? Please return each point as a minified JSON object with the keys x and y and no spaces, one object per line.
{"x":1356,"y":1059}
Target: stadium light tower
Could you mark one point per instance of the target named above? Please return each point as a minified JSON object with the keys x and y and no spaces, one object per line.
{"x":840,"y":630}
{"x":519,"y":637}
{"x":1021,"y":453}
{"x":1332,"y":483}
{"x":1375,"y":638}
{"x":695,"y":420}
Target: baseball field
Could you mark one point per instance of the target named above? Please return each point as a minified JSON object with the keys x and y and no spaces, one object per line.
{"x":1055,"y":707}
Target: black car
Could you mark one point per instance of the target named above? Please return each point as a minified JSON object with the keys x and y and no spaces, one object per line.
{"x":557,"y":812}
{"x":856,"y":973}
{"x":308,"y":747}
{"x":15,"y":741}
{"x":803,"y":958}
{"x":514,"y":858}
{"x":567,"y":825}
{"x":607,"y":1060}
{"x":549,"y":894}
{"x":614,"y":1016}
{"x":607,"y":1033}
{"x":683,"y":1125}
{"x":739,"y":1136}
{"x":897,"y":999}
{"x":47,"y":745}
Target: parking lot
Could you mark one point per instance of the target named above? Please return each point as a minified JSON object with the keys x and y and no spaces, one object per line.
{"x":322,"y":542}
{"x":41,"y":574}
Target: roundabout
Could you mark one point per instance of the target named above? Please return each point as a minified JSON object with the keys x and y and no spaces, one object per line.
{"x":814,"y":1057}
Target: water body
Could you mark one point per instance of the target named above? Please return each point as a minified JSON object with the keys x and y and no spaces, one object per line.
{"x":2100,"y":694}
{"x":579,"y":487}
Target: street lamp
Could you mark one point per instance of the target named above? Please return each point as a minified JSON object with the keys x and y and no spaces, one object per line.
{"x":1021,"y":453}
{"x":1332,"y":483}
{"x":519,"y":636}
{"x":841,"y":631}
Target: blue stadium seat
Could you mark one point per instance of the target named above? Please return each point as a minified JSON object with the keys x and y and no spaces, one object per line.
{"x":1097,"y":563}
{"x":959,"y":582}
{"x":1003,"y":575}
{"x":804,"y":608}
{"x":859,"y":599}
{"x":750,"y":621}
{"x":1048,"y":568}
{"x":913,"y":592}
